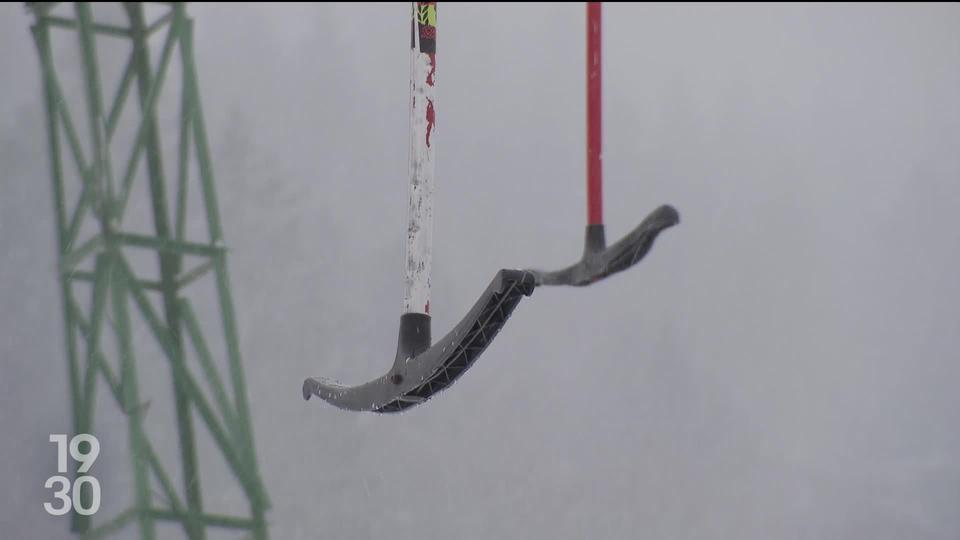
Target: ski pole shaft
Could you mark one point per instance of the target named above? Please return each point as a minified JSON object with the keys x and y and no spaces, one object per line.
{"x":594,"y":118}
{"x":423,"y":93}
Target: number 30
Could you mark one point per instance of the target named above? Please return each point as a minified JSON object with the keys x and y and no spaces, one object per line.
{"x":75,"y":502}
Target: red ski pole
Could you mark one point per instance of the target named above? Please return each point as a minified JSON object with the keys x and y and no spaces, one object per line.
{"x":594,"y":118}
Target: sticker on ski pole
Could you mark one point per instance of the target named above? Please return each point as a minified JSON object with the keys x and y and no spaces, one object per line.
{"x":425,"y":21}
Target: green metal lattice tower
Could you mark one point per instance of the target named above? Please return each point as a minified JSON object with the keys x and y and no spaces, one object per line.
{"x":97,"y":252}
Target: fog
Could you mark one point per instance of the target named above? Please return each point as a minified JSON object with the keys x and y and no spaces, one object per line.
{"x":782,"y":365}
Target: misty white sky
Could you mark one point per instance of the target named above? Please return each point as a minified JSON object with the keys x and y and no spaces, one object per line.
{"x":782,"y":365}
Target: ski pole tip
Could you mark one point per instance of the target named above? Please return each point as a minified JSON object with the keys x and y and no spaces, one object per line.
{"x":668,"y":214}
{"x":309,"y":387}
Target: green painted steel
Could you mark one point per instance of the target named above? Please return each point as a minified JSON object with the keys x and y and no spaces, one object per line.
{"x":208,"y":398}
